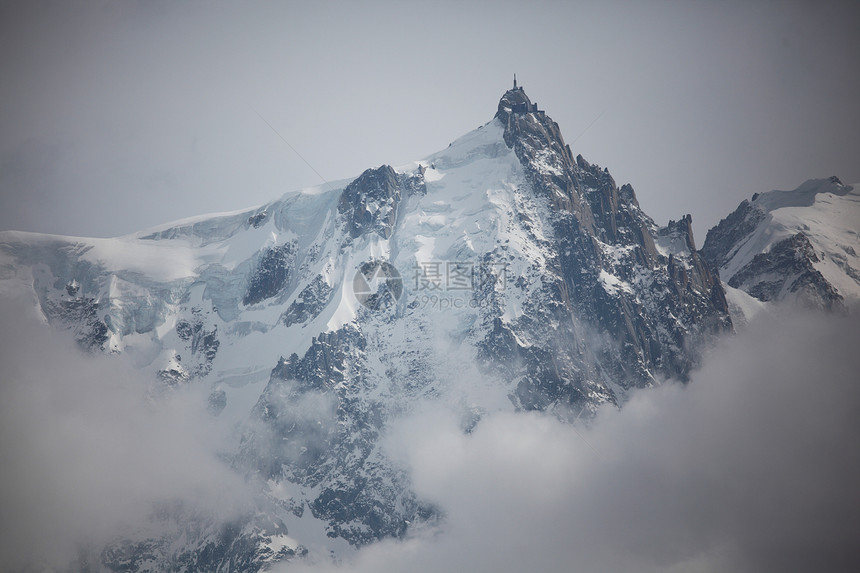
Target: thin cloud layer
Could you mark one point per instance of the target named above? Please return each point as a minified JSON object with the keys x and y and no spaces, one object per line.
{"x":86,"y":454}
{"x":752,"y":467}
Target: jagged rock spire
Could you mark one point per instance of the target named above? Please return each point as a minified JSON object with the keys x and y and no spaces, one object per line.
{"x":514,"y":100}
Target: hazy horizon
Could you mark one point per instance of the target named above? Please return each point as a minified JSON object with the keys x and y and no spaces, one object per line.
{"x":121,"y":116}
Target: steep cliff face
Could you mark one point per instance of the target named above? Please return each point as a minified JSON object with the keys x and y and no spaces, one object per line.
{"x":649,"y":295}
{"x":503,"y":273}
{"x":796,"y":245}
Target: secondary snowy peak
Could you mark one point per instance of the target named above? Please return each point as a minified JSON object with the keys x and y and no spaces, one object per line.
{"x":804,"y":196}
{"x":798,"y":245}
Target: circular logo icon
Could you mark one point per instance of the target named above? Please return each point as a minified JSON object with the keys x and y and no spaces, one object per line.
{"x":377,"y":284}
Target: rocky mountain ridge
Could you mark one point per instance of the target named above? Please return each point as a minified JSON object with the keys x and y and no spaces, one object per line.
{"x":502,"y":273}
{"x":795,"y":245}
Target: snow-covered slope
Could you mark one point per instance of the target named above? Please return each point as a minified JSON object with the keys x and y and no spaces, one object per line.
{"x":798,"y":245}
{"x":501,"y":273}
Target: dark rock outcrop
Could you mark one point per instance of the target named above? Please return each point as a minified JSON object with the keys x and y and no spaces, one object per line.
{"x":723,"y":240}
{"x":787,"y":268}
{"x":315,"y":426}
{"x":271,"y":274}
{"x":309,"y":303}
{"x":369,"y":204}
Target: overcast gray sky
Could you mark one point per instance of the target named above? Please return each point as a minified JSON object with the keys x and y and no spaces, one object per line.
{"x":117,"y":116}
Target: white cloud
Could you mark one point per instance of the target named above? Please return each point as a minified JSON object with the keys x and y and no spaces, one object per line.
{"x":752,"y":467}
{"x":85,"y":453}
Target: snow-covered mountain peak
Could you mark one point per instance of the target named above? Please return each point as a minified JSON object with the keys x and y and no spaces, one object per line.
{"x":804,"y":196}
{"x":800,"y":244}
{"x":501,"y":273}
